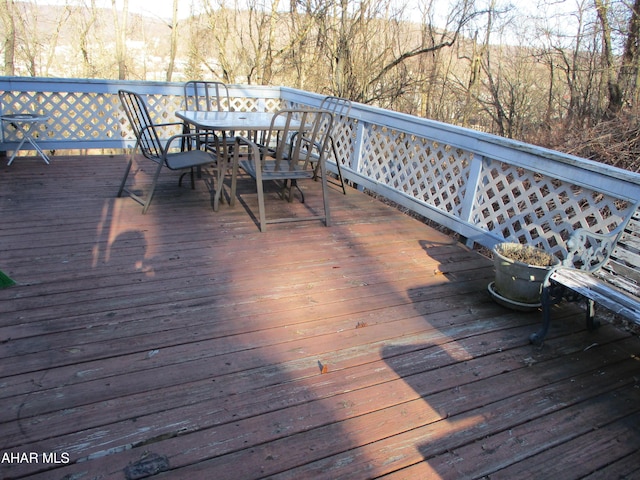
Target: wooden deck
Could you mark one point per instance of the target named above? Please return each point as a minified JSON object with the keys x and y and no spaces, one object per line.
{"x":187,"y":342}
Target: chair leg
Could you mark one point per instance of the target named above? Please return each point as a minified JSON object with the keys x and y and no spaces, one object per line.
{"x":234,"y":178}
{"x":218,"y":195}
{"x":335,"y":155}
{"x":190,"y":172}
{"x":124,"y":178}
{"x":325,"y":197}
{"x":146,"y":204}
{"x":289,"y":187}
{"x":263,"y":217}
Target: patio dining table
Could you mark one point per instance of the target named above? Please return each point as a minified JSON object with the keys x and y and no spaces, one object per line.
{"x":244,"y":122}
{"x":226,"y":121}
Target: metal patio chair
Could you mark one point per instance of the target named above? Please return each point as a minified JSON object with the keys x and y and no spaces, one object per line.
{"x":340,"y":108}
{"x":294,"y":150}
{"x":152,"y":148}
{"x":209,"y":96}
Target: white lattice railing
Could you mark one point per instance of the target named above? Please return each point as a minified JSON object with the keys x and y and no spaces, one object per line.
{"x":485,"y":188}
{"x":86,"y":114}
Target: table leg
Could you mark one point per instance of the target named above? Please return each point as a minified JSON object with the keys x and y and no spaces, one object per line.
{"x":15,"y":152}
{"x":26,"y":136}
{"x":40,"y":151}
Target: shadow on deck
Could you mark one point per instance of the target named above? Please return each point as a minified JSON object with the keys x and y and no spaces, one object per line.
{"x":186,"y":344}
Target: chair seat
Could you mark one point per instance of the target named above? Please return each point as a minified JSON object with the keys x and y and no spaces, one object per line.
{"x":270,"y":173}
{"x":190,"y":158}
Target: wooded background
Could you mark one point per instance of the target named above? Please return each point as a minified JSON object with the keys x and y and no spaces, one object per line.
{"x":562,"y":75}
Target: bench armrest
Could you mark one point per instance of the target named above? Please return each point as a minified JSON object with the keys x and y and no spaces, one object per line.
{"x":589,"y":251}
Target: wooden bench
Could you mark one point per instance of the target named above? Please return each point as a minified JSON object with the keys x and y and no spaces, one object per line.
{"x":601,"y":268}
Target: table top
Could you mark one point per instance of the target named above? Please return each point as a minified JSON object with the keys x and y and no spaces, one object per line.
{"x":24,"y":117}
{"x":228,"y":120}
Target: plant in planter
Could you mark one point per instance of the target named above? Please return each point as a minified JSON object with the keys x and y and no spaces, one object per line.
{"x":520,"y":271}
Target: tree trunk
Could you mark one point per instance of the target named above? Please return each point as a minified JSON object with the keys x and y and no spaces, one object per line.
{"x":613,"y":87}
{"x":87,"y":24}
{"x":121,"y":37}
{"x":267,"y":70}
{"x":174,"y":41}
{"x":628,"y":74}
{"x":474,"y":79}
{"x":342,"y":51}
{"x":10,"y":37}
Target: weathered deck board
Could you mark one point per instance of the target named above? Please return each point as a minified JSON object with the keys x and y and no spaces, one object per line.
{"x":190,"y":335}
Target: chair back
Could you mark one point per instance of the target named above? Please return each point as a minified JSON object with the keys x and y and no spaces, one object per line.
{"x":339,"y":107}
{"x":297,"y":140}
{"x":201,"y":95}
{"x":143,"y":128}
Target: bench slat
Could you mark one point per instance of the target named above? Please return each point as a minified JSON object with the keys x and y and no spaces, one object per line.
{"x":608,"y":296}
{"x":619,"y":279}
{"x":623,"y":268}
{"x":630,"y":241}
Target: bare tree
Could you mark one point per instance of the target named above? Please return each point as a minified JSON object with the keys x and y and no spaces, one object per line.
{"x":377,"y":55}
{"x":120,"y":23}
{"x":571,"y":59}
{"x":613,"y":88}
{"x":173,"y":49}
{"x":86,"y":21}
{"x":8,"y":8}
{"x":35,"y":36}
{"x":453,"y":65}
{"x":628,"y":74}
{"x":221,"y":44}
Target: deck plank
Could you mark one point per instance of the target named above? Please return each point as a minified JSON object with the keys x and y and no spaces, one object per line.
{"x":190,"y":335}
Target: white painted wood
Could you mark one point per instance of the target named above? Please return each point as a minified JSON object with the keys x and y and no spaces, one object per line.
{"x":486,"y":188}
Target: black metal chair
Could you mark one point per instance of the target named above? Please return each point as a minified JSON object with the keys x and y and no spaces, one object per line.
{"x":209,"y":96}
{"x":340,"y":108}
{"x":152,"y":148}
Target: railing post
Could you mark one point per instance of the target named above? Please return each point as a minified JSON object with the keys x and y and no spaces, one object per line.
{"x":469,"y":200}
{"x":358,"y":150}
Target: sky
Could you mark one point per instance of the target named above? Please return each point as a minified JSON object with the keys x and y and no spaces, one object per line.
{"x":159,"y":8}
{"x":163,"y":8}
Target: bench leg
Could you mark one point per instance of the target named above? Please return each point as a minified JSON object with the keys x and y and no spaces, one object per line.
{"x":545,"y":298}
{"x":592,"y":323}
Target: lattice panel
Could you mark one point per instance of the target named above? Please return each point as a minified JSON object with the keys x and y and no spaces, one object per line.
{"x":510,"y":202}
{"x":344,"y":134}
{"x":242,"y":104}
{"x":529,"y":208}
{"x":74,"y":115}
{"x":98,"y":116}
{"x":162,"y":109}
{"x":428,"y":171}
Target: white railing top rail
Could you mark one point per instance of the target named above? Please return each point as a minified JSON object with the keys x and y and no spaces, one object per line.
{"x":484,"y":187}
{"x":86,"y":113}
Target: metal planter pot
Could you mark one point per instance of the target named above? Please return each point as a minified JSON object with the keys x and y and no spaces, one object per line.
{"x":518,"y":284}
